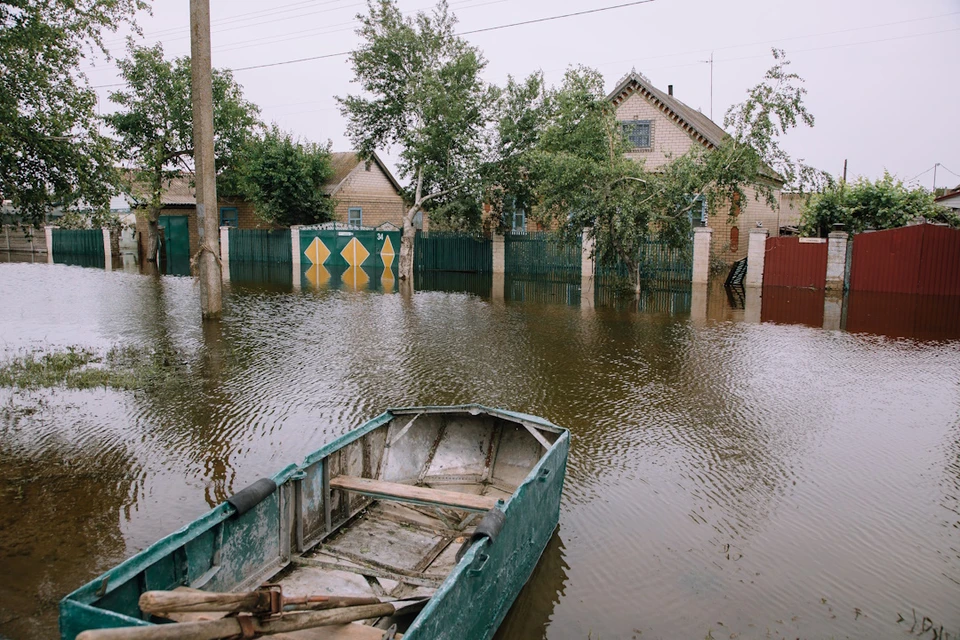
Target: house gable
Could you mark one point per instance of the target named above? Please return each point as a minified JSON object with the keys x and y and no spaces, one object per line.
{"x":367,"y":186}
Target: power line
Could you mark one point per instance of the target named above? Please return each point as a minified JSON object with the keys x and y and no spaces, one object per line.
{"x":498,"y":27}
{"x":948,"y":171}
{"x":921,"y":173}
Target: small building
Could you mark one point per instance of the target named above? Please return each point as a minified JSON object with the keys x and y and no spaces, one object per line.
{"x":660,"y":127}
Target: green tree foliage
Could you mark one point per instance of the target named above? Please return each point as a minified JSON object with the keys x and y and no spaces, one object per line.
{"x":284,"y":179}
{"x":422,"y":92}
{"x":51,"y":152}
{"x":155,"y":126}
{"x":882,"y":204}
{"x":580,"y":176}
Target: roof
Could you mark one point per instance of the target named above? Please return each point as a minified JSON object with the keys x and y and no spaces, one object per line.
{"x":950,"y":195}
{"x":690,"y":120}
{"x":344,"y":163}
{"x":180,"y":190}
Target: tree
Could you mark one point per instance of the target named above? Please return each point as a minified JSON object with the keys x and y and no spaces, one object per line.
{"x":582,"y":178}
{"x":882,"y":204}
{"x":284,"y":179}
{"x":155,"y":126}
{"x":424,"y":95}
{"x":50,"y":149}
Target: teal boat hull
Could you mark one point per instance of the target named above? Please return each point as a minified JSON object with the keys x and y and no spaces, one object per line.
{"x":224,"y":551}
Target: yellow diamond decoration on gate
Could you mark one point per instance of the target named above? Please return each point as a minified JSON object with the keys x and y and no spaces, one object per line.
{"x":355,"y":253}
{"x":387,"y":253}
{"x":317,"y":252}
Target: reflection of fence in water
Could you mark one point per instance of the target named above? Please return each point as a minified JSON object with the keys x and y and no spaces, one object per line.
{"x":480,"y":284}
{"x":541,"y":253}
{"x":659,"y":300}
{"x":548,"y":290}
{"x":261,"y":273}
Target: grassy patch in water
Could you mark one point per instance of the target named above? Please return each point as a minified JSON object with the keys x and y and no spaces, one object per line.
{"x":79,"y":368}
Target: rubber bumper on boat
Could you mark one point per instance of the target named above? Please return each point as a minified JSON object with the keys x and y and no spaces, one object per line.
{"x":489,"y":527}
{"x":249,"y":497}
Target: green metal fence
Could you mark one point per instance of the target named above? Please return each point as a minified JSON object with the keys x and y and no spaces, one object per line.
{"x":541,"y":253}
{"x":659,"y":265}
{"x":450,"y":251}
{"x":260,"y":245}
{"x":83,"y":247}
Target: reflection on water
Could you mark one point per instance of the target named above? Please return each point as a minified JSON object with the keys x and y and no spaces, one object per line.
{"x":734,"y":467}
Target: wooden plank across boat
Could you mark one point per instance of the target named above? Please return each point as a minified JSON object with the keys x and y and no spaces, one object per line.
{"x":381,"y":511}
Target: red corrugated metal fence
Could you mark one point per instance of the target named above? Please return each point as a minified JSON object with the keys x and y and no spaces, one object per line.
{"x":792,"y":263}
{"x":922,"y":259}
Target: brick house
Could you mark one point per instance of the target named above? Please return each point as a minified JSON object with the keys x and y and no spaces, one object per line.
{"x":366,"y":193}
{"x":660,"y":127}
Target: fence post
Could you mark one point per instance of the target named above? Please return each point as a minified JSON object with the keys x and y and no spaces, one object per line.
{"x":6,"y":233}
{"x":499,"y":254}
{"x":295,"y":255}
{"x":701,"y":254}
{"x":756,"y":252}
{"x":107,"y":257}
{"x":225,"y":254}
{"x":587,"y":244}
{"x":836,"y":260}
{"x":48,"y":236}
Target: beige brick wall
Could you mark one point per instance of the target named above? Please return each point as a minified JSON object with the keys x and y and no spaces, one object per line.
{"x":368,"y":188}
{"x":669,"y":140}
{"x":724,"y":247}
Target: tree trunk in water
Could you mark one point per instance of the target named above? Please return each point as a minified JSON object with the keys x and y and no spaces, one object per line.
{"x":406,"y":245}
{"x":150,"y":248}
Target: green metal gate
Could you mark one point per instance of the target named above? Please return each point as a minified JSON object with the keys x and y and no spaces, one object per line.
{"x":176,"y":244}
{"x":336,"y":255}
{"x":660,"y":265}
{"x":260,"y":245}
{"x":452,"y":251}
{"x":542,"y":253}
{"x":82,"y":247}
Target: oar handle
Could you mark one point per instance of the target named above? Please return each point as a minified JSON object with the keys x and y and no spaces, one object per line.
{"x":193,"y":601}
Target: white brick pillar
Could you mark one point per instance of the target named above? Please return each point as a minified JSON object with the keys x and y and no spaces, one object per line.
{"x":836,"y":260}
{"x":295,"y":255}
{"x":756,"y":252}
{"x":702,"y":237}
{"x":499,"y":254}
{"x":587,"y":246}
{"x":225,"y":254}
{"x":48,"y":236}
{"x":107,"y":256}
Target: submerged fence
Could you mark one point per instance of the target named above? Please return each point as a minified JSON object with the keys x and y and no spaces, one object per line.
{"x":260,"y":245}
{"x":542,"y":253}
{"x":80,"y":247}
{"x":659,"y":265}
{"x":451,"y":251}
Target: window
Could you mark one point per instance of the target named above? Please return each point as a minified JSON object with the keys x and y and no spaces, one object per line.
{"x":519,"y":221}
{"x":638,"y":133}
{"x":355,"y":216}
{"x":229,"y":217}
{"x":698,"y":214}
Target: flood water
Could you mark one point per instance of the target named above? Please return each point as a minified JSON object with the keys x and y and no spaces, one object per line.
{"x":735,"y":471}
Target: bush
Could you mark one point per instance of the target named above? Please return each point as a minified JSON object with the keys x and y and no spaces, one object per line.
{"x":883,"y":204}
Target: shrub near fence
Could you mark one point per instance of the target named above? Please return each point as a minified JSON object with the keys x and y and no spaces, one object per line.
{"x":451,"y":251}
{"x":541,"y":253}
{"x":260,"y":245}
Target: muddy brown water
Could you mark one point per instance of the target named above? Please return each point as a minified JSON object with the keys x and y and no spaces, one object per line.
{"x":727,"y":478}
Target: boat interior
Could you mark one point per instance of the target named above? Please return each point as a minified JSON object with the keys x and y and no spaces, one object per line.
{"x":386,"y":512}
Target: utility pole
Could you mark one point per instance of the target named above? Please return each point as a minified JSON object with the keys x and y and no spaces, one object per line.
{"x":935,"y":177}
{"x":844,"y":170}
{"x":710,"y":62}
{"x":208,"y":222}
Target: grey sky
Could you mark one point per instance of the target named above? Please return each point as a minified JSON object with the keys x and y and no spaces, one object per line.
{"x":882,"y":76}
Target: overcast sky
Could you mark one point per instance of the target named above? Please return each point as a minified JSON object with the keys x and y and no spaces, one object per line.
{"x":883,"y":76}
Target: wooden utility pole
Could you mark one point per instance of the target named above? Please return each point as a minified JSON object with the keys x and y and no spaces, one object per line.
{"x":208,"y":222}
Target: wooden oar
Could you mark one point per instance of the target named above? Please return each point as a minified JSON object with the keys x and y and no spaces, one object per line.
{"x":227,"y":627}
{"x":190,"y":601}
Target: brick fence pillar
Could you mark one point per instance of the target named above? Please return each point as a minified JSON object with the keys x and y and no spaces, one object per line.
{"x":587,"y":245}
{"x":701,"y":254}
{"x":499,"y":254}
{"x":48,"y":236}
{"x":225,"y":254}
{"x":756,"y":252}
{"x":836,"y":260}
{"x":107,"y":254}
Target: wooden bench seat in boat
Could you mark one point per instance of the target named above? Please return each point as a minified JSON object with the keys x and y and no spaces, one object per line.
{"x":410,"y":493}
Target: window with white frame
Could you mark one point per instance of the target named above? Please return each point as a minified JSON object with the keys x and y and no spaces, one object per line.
{"x":638,"y":133}
{"x":519,"y":221}
{"x":698,"y":213}
{"x":355,"y":216}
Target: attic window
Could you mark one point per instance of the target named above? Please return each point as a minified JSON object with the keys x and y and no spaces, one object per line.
{"x":638,"y":133}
